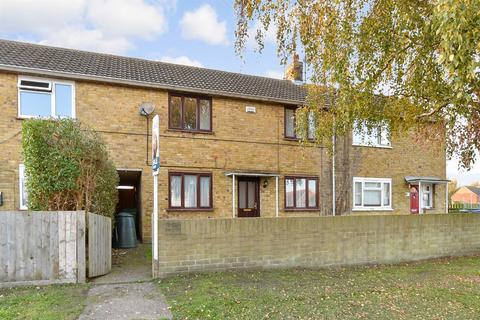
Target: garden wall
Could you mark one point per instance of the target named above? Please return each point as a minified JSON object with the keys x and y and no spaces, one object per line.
{"x":221,"y":244}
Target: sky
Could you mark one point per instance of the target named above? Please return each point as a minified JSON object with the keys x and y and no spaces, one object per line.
{"x":193,"y":32}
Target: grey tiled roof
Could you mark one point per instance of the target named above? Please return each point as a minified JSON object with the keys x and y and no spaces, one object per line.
{"x":475,"y":190}
{"x":105,"y":67}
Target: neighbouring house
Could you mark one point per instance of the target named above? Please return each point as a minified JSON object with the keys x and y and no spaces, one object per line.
{"x":467,"y":195}
{"x":228,"y":145}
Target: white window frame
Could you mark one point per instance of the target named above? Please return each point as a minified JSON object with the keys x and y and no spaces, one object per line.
{"x":377,"y":135}
{"x":51,"y":91}
{"x":422,"y":192}
{"x":21,"y":184}
{"x":375,"y":208}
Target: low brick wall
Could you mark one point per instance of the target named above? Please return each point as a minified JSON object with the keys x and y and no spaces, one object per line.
{"x":221,"y":244}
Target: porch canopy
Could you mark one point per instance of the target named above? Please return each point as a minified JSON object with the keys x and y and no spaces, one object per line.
{"x":417,"y":180}
{"x":432,"y":180}
{"x":252,"y":174}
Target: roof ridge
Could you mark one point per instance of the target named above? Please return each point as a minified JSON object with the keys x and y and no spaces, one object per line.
{"x":141,"y":59}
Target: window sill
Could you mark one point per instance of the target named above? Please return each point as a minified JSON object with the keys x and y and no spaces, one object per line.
{"x":297,"y":139}
{"x":372,"y":146}
{"x":189,"y":210}
{"x":190,"y":131}
{"x":372,"y":209}
{"x":300,"y":209}
{"x":43,"y":118}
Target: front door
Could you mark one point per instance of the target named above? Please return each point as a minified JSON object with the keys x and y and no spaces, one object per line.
{"x":414,"y":199}
{"x":248,"y":197}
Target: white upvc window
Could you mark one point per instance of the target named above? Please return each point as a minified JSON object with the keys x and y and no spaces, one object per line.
{"x":23,"y":197}
{"x":427,"y":196}
{"x":378,"y":136}
{"x":45,"y":98}
{"x":372,"y":194}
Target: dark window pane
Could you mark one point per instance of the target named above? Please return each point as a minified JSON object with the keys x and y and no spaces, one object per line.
{"x":176,"y":112}
{"x":38,"y":84}
{"x":190,"y":117}
{"x":251,"y":194}
{"x":289,"y":123}
{"x":242,"y":194}
{"x":205,"y":115}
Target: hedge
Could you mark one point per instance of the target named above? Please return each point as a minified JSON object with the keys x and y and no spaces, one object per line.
{"x":67,"y":167}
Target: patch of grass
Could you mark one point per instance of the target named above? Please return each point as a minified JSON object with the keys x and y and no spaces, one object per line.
{"x":148,"y":254}
{"x":436,"y":289}
{"x":43,"y":303}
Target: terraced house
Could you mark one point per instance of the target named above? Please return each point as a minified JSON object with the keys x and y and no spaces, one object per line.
{"x":227,"y":141}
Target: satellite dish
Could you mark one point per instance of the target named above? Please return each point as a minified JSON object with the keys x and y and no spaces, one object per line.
{"x":146,"y":109}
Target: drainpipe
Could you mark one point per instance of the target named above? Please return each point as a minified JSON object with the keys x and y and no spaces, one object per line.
{"x":334,"y":206}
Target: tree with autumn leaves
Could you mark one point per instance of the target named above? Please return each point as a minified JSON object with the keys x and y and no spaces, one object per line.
{"x":405,"y":62}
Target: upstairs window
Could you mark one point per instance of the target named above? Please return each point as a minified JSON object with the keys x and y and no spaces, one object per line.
{"x":378,"y":136}
{"x":372,"y":194}
{"x":45,"y":98}
{"x":190,"y":113}
{"x":301,"y":193}
{"x":290,"y":124}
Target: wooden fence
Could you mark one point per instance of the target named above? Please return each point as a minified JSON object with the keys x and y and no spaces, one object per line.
{"x":44,"y":247}
{"x":457,"y":207}
{"x":99,"y":245}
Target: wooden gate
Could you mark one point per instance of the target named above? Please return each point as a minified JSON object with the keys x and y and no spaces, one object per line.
{"x":99,"y":245}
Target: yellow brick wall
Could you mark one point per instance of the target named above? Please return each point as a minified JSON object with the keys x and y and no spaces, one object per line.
{"x":230,"y":244}
{"x":240,"y":141}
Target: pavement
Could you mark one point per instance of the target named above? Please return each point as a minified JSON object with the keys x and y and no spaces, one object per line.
{"x":128,"y":291}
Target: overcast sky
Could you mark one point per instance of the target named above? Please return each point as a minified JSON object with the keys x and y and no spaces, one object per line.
{"x":193,"y":32}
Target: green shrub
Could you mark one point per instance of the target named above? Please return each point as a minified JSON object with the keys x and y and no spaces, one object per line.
{"x":67,"y":167}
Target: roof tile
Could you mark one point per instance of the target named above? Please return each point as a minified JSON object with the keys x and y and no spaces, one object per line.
{"x":98,"y":65}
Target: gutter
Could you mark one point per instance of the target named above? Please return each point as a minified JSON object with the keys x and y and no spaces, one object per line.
{"x":145,"y":84}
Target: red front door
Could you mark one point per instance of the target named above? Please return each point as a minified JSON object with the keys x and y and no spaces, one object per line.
{"x":248,"y":197}
{"x":414,"y":199}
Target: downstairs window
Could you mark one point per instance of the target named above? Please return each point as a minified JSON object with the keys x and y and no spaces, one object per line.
{"x":372,"y":194}
{"x":190,"y":190}
{"x":301,"y":193}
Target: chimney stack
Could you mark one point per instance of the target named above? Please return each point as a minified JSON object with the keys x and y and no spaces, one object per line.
{"x":294,"y":71}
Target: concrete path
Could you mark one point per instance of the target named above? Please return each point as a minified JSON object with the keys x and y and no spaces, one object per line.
{"x":126,"y":301}
{"x":127,"y":292}
{"x":128,"y":265}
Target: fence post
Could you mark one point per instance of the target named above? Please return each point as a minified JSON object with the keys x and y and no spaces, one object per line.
{"x":81,"y":254}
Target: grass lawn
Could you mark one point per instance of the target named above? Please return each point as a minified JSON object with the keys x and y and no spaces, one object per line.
{"x":436,"y":289}
{"x":42,"y":303}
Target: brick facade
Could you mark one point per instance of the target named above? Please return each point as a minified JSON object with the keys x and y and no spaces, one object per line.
{"x":239,"y":142}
